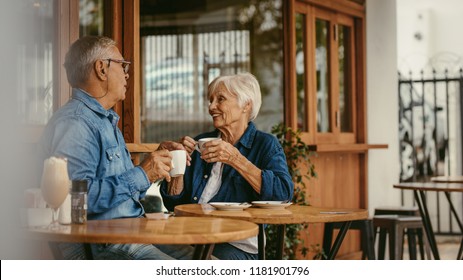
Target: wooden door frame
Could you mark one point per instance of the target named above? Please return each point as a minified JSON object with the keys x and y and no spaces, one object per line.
{"x":122,"y":24}
{"x":66,"y":32}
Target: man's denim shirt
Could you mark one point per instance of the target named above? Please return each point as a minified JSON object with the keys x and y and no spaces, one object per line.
{"x":87,"y":135}
{"x":260,"y":148}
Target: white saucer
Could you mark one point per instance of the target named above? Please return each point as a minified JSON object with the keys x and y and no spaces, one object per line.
{"x":230,"y":206}
{"x":271,"y":204}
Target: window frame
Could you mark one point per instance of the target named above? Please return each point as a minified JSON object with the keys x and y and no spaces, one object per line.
{"x":335,"y":18}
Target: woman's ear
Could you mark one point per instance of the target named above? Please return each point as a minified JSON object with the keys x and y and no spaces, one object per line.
{"x":247,"y":107}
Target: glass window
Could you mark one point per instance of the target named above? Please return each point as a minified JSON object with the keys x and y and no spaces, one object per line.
{"x":91,"y":17}
{"x":184,"y":47}
{"x":300,"y":73}
{"x":322,"y":75}
{"x":35,"y":56}
{"x":35,"y":63}
{"x":345,"y":102}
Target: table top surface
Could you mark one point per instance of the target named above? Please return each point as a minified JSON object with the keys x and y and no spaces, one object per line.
{"x":448,"y":179}
{"x":431,"y":186}
{"x":294,"y":214}
{"x":174,"y":230}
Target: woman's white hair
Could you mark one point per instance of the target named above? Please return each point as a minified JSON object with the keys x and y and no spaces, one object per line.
{"x":244,"y":86}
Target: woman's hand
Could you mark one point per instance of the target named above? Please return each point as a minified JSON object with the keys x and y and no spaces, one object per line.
{"x":188,"y":143}
{"x":220,"y":151}
{"x":223,"y":151}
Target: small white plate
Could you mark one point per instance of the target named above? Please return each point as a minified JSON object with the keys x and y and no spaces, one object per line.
{"x":230,"y":206}
{"x":159,"y":216}
{"x":271,"y":204}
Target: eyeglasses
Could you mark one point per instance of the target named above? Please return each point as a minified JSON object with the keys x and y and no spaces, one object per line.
{"x":125,"y":64}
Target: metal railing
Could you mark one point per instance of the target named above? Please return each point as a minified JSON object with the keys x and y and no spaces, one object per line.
{"x":430,"y":133}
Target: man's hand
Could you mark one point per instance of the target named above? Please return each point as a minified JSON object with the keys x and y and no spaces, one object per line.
{"x":170,"y":146}
{"x":157,"y":165}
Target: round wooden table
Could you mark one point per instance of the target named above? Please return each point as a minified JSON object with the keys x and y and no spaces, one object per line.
{"x":174,"y":230}
{"x":294,"y":214}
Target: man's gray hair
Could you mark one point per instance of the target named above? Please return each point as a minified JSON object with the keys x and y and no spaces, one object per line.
{"x":244,"y":86}
{"x":82,"y":55}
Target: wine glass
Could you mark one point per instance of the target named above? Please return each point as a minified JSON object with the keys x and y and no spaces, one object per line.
{"x":55,"y":185}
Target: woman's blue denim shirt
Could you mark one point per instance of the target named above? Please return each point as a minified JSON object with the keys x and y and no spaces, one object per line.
{"x":262,"y":149}
{"x":87,"y":135}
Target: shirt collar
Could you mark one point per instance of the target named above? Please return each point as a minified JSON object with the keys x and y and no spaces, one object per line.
{"x":94,"y":105}
{"x":248,"y":137}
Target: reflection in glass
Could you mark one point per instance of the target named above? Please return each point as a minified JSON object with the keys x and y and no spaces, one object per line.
{"x":91,"y":17}
{"x":34,"y":67}
{"x":344,"y":94}
{"x":300,"y":73}
{"x":322,"y":70}
{"x":183,"y":48}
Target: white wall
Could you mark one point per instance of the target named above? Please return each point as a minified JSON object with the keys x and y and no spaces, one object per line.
{"x":382,"y":102}
{"x":439,"y":43}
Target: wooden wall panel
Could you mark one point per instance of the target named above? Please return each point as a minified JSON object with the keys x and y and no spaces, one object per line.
{"x":336,"y":186}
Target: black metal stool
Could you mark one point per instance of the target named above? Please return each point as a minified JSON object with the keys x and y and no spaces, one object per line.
{"x":406,"y":211}
{"x":401,"y":210}
{"x":367,"y":236}
{"x":395,"y":225}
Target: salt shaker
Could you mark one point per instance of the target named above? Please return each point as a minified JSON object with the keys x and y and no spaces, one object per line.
{"x":79,"y":202}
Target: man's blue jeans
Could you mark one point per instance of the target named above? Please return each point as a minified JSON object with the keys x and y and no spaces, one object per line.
{"x":76,"y":251}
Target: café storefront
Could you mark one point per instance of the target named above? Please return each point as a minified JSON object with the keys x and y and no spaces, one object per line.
{"x":308,"y":55}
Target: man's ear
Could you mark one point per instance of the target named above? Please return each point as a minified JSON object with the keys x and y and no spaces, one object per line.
{"x":100,"y":69}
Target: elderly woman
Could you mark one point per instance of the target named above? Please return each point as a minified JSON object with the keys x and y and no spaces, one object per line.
{"x":245,"y":164}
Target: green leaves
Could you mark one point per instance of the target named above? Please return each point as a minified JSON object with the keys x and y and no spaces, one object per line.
{"x":298,"y":156}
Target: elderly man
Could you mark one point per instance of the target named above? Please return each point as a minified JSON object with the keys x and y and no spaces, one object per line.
{"x":85,"y":132}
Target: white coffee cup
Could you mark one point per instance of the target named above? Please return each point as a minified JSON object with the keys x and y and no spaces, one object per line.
{"x":178,"y":163}
{"x":200,"y":143}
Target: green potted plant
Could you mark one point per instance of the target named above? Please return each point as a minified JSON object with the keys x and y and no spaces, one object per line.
{"x":297,"y":155}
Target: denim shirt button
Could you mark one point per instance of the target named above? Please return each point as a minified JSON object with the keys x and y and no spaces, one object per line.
{"x":205,"y":176}
{"x":195,"y":198}
{"x":110,"y":157}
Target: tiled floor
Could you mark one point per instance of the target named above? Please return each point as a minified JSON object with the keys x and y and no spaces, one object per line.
{"x":447,"y":245}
